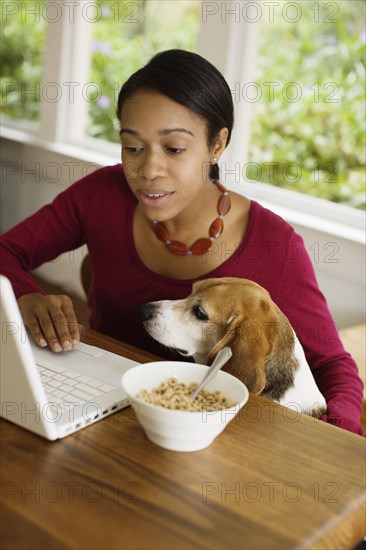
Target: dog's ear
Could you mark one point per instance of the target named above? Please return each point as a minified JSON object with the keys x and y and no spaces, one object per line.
{"x":250,"y":349}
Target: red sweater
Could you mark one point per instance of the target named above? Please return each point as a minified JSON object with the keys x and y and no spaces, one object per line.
{"x":98,"y":211}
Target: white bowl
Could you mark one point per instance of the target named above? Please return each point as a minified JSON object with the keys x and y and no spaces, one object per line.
{"x":175,"y":429}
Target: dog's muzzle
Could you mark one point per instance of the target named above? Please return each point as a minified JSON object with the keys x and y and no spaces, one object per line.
{"x":147,"y":312}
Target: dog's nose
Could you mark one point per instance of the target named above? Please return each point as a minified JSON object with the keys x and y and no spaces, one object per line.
{"x":147,"y":312}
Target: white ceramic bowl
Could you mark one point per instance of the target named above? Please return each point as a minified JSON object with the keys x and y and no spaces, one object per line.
{"x":182,"y":430}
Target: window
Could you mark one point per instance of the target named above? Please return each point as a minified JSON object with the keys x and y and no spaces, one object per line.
{"x":125,"y":36}
{"x":22,"y":48}
{"x":308,"y":119}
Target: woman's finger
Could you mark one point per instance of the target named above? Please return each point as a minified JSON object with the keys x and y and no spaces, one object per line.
{"x":33,"y":326}
{"x":62,"y":313}
{"x":46,"y":322}
{"x":72,"y":322}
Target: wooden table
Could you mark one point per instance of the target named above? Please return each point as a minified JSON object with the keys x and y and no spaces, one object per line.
{"x":270,"y":480}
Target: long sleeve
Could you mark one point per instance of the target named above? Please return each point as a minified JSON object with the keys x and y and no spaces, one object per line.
{"x":42,"y":237}
{"x":334,"y":370}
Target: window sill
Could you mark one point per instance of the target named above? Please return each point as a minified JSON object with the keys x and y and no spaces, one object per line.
{"x":305,"y":211}
{"x":92,"y":151}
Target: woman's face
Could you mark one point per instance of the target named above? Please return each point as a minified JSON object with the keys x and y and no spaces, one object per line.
{"x":165,"y":154}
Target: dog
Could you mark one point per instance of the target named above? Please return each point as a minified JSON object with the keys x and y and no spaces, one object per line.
{"x":229,"y":311}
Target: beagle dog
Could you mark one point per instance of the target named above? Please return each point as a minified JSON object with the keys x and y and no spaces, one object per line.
{"x":267,"y":355}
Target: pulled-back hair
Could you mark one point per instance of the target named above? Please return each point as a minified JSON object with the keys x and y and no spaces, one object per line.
{"x":191,"y":81}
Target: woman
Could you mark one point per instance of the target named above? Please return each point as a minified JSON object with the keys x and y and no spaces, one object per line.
{"x":163,"y":220}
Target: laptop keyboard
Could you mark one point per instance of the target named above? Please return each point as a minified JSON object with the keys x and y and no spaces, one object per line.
{"x":65,"y":386}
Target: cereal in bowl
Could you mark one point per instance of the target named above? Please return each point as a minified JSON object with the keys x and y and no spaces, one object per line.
{"x":172,"y":394}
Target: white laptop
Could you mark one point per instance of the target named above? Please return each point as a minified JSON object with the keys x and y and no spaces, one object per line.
{"x":54,"y":394}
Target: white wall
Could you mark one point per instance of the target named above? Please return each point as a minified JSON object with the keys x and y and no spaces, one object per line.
{"x":34,"y":173}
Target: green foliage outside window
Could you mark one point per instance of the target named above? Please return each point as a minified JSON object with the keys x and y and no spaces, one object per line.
{"x":21,"y":51}
{"x":125,"y":38}
{"x":316,"y":144}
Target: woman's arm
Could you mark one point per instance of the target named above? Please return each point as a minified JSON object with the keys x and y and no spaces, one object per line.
{"x":334,"y":370}
{"x":42,"y":237}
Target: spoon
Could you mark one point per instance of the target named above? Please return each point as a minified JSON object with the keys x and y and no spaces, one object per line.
{"x":221,"y":358}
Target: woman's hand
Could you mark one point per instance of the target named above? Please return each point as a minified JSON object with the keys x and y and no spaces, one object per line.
{"x":51,"y":320}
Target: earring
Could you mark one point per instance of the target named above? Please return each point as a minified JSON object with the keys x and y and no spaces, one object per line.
{"x":214,"y":159}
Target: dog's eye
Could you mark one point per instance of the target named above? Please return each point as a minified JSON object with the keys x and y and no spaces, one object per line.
{"x":200,"y":313}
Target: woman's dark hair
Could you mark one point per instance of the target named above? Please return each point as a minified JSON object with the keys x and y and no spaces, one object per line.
{"x":192,"y":81}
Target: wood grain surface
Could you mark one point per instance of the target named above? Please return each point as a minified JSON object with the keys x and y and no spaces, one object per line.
{"x":272,"y":480}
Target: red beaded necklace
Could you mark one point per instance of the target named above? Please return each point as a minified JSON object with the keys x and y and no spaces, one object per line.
{"x":203,"y":245}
